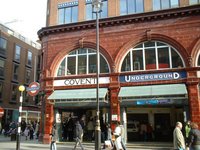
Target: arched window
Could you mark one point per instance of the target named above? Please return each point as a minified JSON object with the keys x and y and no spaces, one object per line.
{"x":81,"y":61}
{"x":198,"y":61}
{"x":151,"y":55}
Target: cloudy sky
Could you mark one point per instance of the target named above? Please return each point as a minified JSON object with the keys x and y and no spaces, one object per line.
{"x":24,"y":16}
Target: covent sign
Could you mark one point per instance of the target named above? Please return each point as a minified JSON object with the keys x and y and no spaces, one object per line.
{"x":81,"y":81}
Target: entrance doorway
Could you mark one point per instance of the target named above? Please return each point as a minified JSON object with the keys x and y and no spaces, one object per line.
{"x":133,"y":125}
{"x":163,"y":129}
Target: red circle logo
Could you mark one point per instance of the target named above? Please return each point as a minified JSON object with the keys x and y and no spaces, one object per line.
{"x":33,"y":88}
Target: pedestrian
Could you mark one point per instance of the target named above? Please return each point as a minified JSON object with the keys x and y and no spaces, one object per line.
{"x":178,"y":139}
{"x":187,"y":131}
{"x":194,"y":137}
{"x":78,"y":135}
{"x":26,"y":132}
{"x":118,"y":138}
{"x":53,"y":138}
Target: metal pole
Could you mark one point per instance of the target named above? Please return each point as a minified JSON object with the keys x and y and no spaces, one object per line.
{"x":97,"y":128}
{"x":19,"y":122}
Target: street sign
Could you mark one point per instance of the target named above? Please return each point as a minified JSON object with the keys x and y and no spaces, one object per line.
{"x":33,"y":88}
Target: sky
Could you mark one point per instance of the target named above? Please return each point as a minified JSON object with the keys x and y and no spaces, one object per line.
{"x":24,"y":16}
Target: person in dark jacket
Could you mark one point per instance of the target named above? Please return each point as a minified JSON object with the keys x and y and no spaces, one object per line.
{"x":194,"y":137}
{"x":78,"y":135}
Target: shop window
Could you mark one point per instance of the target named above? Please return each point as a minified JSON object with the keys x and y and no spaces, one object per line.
{"x":193,"y":2}
{"x":151,"y":55}
{"x":81,"y":61}
{"x":165,"y":4}
{"x":90,"y":15}
{"x":131,"y":6}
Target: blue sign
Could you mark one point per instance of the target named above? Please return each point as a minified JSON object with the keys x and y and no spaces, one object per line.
{"x":153,"y":77}
{"x":153,"y":102}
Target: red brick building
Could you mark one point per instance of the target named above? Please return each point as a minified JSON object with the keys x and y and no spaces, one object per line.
{"x":148,"y":65}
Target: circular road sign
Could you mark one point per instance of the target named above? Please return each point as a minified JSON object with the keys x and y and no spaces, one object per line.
{"x":33,"y":88}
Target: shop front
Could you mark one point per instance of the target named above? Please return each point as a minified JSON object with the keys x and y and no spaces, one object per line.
{"x":154,"y":108}
{"x":70,"y":104}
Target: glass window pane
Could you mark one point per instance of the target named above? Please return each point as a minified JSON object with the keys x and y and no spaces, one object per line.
{"x":14,"y":92}
{"x":174,"y":3}
{"x":61,"y":16}
{"x":176,"y":60}
{"x":61,"y":69}
{"x":75,"y":14}
{"x":92,"y":63}
{"x":137,"y":60}
{"x":150,"y":57}
{"x":156,"y":4}
{"x":163,"y":57}
{"x":131,"y":6}
{"x":103,"y":65}
{"x":198,"y":61}
{"x":3,"y":46}
{"x":2,"y":64}
{"x":165,"y":4}
{"x":160,"y":44}
{"x":82,"y":51}
{"x":193,"y":2}
{"x":149,"y":44}
{"x":68,"y":15}
{"x":82,"y":64}
{"x":104,"y":12}
{"x":1,"y":90}
{"x":126,"y":65}
{"x":71,"y":64}
{"x":17,"y":53}
{"x":139,"y":6}
{"x":89,"y":12}
{"x":123,"y":7}
{"x":29,"y":58}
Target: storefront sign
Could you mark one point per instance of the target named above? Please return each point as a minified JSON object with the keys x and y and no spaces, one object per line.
{"x":81,"y":81}
{"x":153,"y":102}
{"x":153,"y":77}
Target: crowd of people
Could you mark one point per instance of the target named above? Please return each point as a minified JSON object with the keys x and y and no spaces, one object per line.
{"x":187,"y":137}
{"x":30,"y":130}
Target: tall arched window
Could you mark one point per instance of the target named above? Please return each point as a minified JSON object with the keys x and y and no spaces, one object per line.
{"x":81,"y":61}
{"x":151,"y":55}
{"x":198,"y":61}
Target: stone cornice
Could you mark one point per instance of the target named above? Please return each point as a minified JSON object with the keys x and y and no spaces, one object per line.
{"x":120,"y":20}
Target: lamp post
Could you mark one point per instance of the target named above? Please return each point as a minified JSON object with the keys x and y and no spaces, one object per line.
{"x":21,"y":89}
{"x":96,"y":8}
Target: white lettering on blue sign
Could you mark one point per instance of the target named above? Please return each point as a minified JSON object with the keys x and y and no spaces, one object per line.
{"x":152,"y":77}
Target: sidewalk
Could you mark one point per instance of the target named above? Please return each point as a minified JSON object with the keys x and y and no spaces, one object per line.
{"x":7,"y":144}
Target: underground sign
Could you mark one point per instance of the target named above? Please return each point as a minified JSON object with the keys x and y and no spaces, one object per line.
{"x":33,"y":88}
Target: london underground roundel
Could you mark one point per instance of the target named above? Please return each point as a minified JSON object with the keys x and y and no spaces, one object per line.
{"x":33,"y":88}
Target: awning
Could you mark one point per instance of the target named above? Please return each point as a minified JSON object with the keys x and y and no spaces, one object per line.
{"x":153,"y":90}
{"x":74,"y":95}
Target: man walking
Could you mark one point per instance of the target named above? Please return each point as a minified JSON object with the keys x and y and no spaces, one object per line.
{"x":178,"y":139}
{"x":78,"y":135}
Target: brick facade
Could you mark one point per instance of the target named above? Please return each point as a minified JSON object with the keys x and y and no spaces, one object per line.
{"x":179,"y":28}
